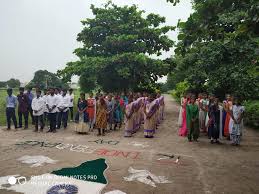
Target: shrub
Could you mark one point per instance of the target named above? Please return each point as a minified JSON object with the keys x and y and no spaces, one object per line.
{"x":251,"y":117}
{"x":180,"y":89}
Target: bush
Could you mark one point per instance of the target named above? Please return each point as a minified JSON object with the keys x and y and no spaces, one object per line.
{"x":251,"y":117}
{"x":180,"y":89}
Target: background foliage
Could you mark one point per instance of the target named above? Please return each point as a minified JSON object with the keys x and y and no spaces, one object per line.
{"x":117,"y":44}
{"x":218,"y":48}
{"x":44,"y":79}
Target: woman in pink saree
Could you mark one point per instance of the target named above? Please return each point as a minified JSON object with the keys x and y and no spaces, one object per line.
{"x":183,"y":129}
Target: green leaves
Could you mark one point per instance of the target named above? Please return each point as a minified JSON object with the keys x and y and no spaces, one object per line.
{"x":116,"y":44}
{"x":218,"y":48}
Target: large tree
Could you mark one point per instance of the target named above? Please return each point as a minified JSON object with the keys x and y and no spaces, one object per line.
{"x":13,"y":83}
{"x":43,"y":79}
{"x":218,"y":47}
{"x":117,"y":44}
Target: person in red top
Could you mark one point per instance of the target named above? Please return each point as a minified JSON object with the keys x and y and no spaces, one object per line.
{"x":91,"y":111}
{"x":23,"y":108}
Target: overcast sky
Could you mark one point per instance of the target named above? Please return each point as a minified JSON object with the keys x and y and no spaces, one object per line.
{"x":41,"y":34}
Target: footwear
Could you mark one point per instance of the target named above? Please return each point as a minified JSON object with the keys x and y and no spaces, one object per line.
{"x":35,"y":130}
{"x":8,"y":129}
{"x":211,"y":141}
{"x":26,"y":127}
{"x":54,"y":131}
{"x":49,"y":131}
{"x":218,"y":142}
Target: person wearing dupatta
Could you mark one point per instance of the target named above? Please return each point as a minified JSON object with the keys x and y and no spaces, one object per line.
{"x":135,"y":115}
{"x":150,"y":110}
{"x":162,"y":104}
{"x":110,"y":105}
{"x":214,"y":120}
{"x":141,"y":111}
{"x":237,"y":113}
{"x":182,"y":116}
{"x":203,"y":113}
{"x":117,"y":114}
{"x":227,"y":107}
{"x":91,"y":111}
{"x":81,"y":115}
{"x":101,"y":116}
{"x":192,"y":115}
{"x":129,"y":119}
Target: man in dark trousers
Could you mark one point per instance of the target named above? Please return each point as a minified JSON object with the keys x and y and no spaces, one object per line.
{"x":38,"y":107}
{"x":11,"y":102}
{"x":30,"y":96}
{"x":63,"y":109}
{"x":51,"y":103}
{"x":23,"y":108}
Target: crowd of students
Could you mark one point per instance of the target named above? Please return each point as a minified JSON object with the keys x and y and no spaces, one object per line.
{"x":104,"y":112}
{"x":206,"y":114}
{"x":108,"y":112}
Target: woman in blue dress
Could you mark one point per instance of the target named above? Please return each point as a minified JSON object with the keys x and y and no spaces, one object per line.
{"x":81,"y":116}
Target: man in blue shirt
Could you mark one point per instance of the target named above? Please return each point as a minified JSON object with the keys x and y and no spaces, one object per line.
{"x":11,"y":102}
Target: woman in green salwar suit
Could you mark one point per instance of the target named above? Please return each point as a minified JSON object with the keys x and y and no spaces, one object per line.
{"x":192,"y":111}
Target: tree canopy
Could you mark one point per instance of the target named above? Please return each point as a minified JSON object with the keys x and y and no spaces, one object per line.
{"x":43,"y":79}
{"x":218,"y":48}
{"x":13,"y":83}
{"x":117,"y":47}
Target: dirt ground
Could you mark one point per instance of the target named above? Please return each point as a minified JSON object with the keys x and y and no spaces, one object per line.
{"x":202,"y":168}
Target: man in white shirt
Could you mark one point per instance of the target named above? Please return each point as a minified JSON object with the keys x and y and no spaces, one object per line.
{"x":44,"y":97}
{"x":63,"y":109}
{"x":71,"y":104}
{"x":51,"y":104}
{"x":38,"y":105}
{"x":59,"y":98}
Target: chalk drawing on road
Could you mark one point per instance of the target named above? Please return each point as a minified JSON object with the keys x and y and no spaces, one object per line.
{"x":146,"y":177}
{"x":139,"y":144}
{"x":168,"y":157}
{"x":115,"y":192}
{"x":109,"y":142}
{"x":87,"y":178}
{"x":36,"y":160}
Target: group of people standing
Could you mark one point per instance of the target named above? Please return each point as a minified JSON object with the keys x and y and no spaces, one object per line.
{"x":108,"y":112}
{"x":53,"y":106}
{"x":206,"y":114}
{"x":24,"y":101}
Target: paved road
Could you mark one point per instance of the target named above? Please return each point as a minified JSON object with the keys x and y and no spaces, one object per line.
{"x":203,"y":168}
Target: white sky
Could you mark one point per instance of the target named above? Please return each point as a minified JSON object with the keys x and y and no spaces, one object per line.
{"x":41,"y":34}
